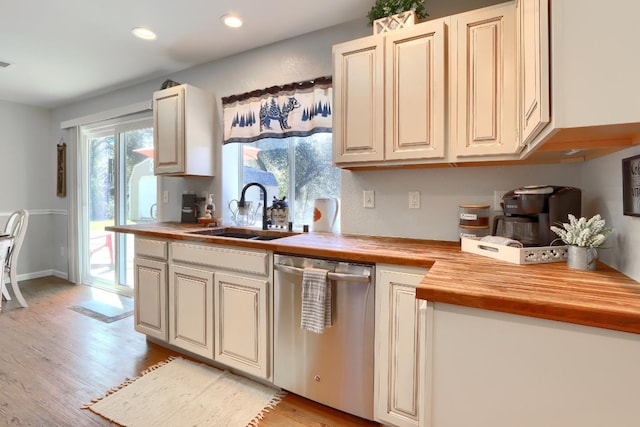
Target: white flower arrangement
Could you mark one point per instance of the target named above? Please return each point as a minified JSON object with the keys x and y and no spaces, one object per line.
{"x":582,"y":232}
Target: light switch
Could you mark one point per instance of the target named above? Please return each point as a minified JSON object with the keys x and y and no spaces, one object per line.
{"x":368,"y":199}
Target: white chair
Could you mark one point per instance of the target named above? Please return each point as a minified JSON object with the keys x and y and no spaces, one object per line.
{"x":16,"y":227}
{"x":5,"y":242}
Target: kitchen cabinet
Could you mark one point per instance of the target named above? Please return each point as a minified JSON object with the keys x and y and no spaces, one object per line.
{"x":390,"y":96}
{"x":183,"y":131}
{"x":222,"y":294}
{"x":400,"y":349}
{"x":191,"y":309}
{"x":484,"y":82}
{"x":472,"y":87}
{"x":242,"y":323}
{"x":358,"y":91}
{"x":594,"y":100}
{"x":213,"y":301}
{"x":533,"y":38}
{"x":150,"y":287}
{"x":511,"y":370}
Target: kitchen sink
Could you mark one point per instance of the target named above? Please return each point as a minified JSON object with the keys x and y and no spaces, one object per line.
{"x":240,"y":233}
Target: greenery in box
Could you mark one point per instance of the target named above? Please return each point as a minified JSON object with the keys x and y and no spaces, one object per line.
{"x":385,"y":8}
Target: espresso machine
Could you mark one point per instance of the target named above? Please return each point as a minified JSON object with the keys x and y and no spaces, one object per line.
{"x":530,"y":211}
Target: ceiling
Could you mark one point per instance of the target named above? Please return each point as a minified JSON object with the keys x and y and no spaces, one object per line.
{"x":61,"y":51}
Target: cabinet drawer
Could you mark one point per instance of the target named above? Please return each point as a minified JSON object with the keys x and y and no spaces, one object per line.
{"x":151,"y":248}
{"x":225,"y":257}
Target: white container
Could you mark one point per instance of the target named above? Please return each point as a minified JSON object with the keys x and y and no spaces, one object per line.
{"x":531,"y":255}
{"x":325,"y":213}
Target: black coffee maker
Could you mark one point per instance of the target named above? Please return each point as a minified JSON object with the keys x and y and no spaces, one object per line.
{"x":190,"y":210}
{"x":529,"y":213}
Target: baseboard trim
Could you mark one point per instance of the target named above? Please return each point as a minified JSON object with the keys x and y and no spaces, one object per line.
{"x":43,"y":273}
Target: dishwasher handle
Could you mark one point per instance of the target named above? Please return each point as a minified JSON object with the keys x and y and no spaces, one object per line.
{"x":340,"y":277}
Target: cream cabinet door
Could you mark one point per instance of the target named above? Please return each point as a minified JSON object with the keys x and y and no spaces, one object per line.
{"x":533,"y":32}
{"x":150,"y":297}
{"x":399,"y":326}
{"x":191,"y":310}
{"x":168,"y":130}
{"x":415,"y":92}
{"x":242,"y":323}
{"x":484,"y":82}
{"x":358,"y":107}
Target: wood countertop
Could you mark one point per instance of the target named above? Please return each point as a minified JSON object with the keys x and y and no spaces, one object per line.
{"x":603,"y":298}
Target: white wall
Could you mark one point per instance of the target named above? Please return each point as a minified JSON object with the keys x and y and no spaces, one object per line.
{"x":603,"y":179}
{"x":442,"y":191}
{"x":27,"y":171}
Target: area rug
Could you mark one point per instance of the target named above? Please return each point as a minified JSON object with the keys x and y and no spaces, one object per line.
{"x":103,"y":312}
{"x":178,"y":392}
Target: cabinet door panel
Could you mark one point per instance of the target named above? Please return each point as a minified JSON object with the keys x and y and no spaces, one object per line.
{"x":415,"y":87}
{"x":150,"y":298}
{"x":533,"y":23}
{"x":191,"y":310}
{"x":242,"y":323}
{"x":168,"y":125}
{"x":486,"y":105}
{"x":358,"y":107}
{"x":398,"y":329}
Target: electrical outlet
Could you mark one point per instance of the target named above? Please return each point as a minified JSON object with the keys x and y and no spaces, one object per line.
{"x":497,"y":199}
{"x":414,"y":200}
{"x":368,"y":199}
{"x":165,"y":196}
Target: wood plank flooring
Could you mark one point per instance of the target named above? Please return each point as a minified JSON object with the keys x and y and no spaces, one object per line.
{"x":54,"y":360}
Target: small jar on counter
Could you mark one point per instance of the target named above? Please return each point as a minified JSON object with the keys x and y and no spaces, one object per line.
{"x":474,"y":221}
{"x":474,"y":215}
{"x":473,"y":232}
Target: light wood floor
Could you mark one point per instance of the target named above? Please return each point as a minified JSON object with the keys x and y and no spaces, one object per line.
{"x":54,"y":360}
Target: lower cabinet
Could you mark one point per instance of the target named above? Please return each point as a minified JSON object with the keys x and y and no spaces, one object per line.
{"x":400,"y":348}
{"x":191,"y":309}
{"x":150,"y":290}
{"x":241,"y":319}
{"x":211,"y":300}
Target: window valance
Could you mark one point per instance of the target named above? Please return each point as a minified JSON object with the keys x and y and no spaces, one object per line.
{"x":295,"y":109}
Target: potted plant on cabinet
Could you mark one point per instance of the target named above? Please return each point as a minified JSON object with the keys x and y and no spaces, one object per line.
{"x":386,"y":15}
{"x":583,"y":237}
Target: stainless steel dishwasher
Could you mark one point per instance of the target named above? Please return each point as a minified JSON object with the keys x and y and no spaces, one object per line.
{"x":334,"y":368}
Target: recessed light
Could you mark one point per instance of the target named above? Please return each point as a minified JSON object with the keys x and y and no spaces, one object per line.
{"x":143,"y":33}
{"x":4,"y":64}
{"x":231,"y":20}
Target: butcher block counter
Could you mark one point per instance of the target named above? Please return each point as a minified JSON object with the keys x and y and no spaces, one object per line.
{"x":603,"y":298}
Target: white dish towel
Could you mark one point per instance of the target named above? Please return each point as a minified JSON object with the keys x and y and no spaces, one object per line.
{"x":316,"y":300}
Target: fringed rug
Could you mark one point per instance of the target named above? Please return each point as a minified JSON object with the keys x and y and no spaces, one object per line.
{"x":178,"y":392}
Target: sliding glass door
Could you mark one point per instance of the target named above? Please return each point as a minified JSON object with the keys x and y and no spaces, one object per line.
{"x":118,"y":187}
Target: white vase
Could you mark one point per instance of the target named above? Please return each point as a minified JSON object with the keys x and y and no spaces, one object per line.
{"x":394,"y":22}
{"x":581,"y":258}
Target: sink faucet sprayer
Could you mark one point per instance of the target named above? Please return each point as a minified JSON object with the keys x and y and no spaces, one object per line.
{"x":265,"y":220}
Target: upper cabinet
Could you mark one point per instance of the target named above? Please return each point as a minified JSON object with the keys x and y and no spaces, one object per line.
{"x":183,"y":131}
{"x":441,"y":91}
{"x":358,"y":91}
{"x":389,"y":96}
{"x":484,"y":82}
{"x":533,"y":37}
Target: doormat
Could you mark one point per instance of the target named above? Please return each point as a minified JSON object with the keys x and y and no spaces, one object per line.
{"x":178,"y":392}
{"x":103,"y":312}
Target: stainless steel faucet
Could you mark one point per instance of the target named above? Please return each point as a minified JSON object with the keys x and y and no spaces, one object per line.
{"x":265,"y":220}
